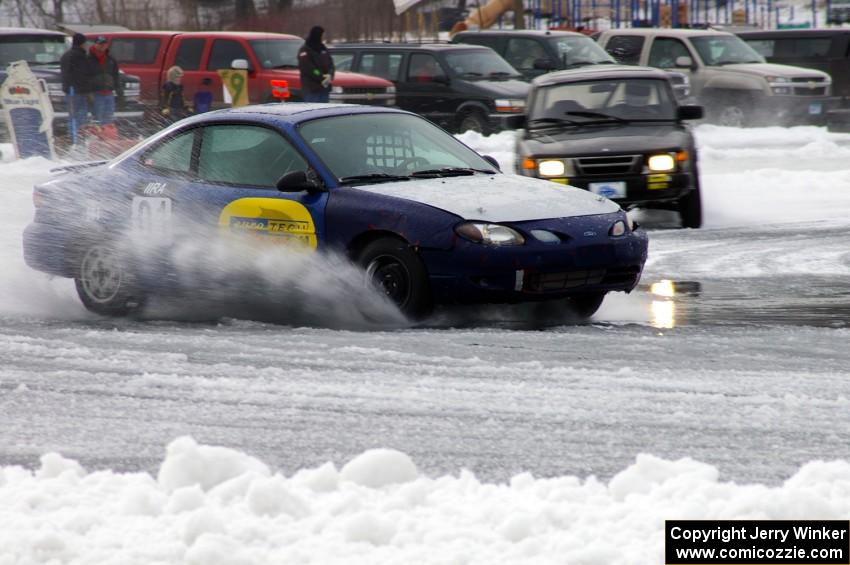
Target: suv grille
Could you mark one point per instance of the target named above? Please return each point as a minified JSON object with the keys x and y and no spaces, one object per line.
{"x":607,"y":166}
{"x":362,"y":90}
{"x":808,"y":87}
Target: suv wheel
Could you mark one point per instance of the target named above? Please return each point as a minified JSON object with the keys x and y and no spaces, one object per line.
{"x":473,"y":120}
{"x":734,"y":110}
{"x":690,"y":207}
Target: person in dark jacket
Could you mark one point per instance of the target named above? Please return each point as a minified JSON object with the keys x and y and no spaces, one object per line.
{"x":316,"y":67}
{"x":173,"y":105}
{"x":75,"y":83}
{"x":105,"y":84}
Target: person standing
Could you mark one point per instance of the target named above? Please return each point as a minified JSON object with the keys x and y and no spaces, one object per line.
{"x":316,"y":67}
{"x":75,"y":83}
{"x":174,"y":106}
{"x":105,"y":84}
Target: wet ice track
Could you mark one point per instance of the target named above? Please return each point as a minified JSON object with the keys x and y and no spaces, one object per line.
{"x":743,"y":367}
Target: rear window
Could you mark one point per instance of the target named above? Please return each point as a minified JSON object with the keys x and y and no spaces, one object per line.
{"x":34,"y":49}
{"x":135,"y":51}
{"x":384,"y":65}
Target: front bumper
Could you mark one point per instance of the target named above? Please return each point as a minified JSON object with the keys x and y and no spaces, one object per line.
{"x":586,"y":261}
{"x":796,"y":110}
{"x":640,"y":189}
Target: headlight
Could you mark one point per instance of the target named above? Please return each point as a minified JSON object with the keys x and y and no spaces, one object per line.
{"x":618,"y":229}
{"x":551,"y":168}
{"x":661,"y":163}
{"x":489,"y":234}
{"x":336,"y":90}
{"x":776,"y":80}
{"x":390,"y":90}
{"x":779,"y":85}
{"x":510,"y":105}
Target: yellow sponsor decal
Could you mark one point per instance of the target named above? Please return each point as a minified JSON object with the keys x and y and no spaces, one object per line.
{"x":559,"y":181}
{"x":657,"y":185}
{"x":271,"y":219}
{"x":658,"y":178}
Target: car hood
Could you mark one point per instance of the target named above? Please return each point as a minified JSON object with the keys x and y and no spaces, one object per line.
{"x":501,"y":88}
{"x":774,"y":70}
{"x":498,"y":198}
{"x":627,"y":138}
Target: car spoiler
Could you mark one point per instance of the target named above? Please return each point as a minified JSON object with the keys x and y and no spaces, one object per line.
{"x":78,"y":166}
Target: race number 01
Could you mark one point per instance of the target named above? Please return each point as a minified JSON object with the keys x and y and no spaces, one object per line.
{"x":151,"y":216}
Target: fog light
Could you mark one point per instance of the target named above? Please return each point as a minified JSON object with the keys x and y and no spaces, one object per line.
{"x":551,"y":168}
{"x":661,"y":163}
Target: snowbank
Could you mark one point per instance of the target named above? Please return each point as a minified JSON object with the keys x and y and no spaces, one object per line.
{"x":216,"y":506}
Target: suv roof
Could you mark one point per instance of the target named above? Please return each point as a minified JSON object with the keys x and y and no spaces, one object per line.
{"x":412,"y":46}
{"x":523,"y":32}
{"x":597,"y":72}
{"x":215,"y":34}
{"x":794,"y":32}
{"x":29,"y":31}
{"x":666,"y":31}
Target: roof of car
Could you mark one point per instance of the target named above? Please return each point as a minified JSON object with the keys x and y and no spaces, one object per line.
{"x":293,"y":112}
{"x":666,"y":31}
{"x":411,"y":46}
{"x":28,"y":31}
{"x":217,"y":34}
{"x":793,"y":32}
{"x":523,"y":32}
{"x":599,"y":72}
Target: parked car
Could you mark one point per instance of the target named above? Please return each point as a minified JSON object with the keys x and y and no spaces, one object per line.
{"x":826,"y":50}
{"x":733,"y":82}
{"x":460,"y":87}
{"x":267,"y":56}
{"x":534,"y":52}
{"x":615,"y":131}
{"x":42,"y":49}
{"x":429,"y":220}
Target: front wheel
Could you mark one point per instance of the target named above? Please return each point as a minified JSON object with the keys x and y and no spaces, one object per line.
{"x":586,"y":305}
{"x":473,"y":120}
{"x":104,"y":283}
{"x":690,"y":207}
{"x":395,"y":270}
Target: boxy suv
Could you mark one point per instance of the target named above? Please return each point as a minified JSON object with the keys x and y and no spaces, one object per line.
{"x":42,"y":49}
{"x":459,"y":87}
{"x":733,"y":82}
{"x":269,"y":56}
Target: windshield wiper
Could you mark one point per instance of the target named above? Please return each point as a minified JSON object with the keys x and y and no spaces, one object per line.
{"x":471,"y":74}
{"x":503,"y":74}
{"x":550,"y":122}
{"x":730,"y":62}
{"x":600,"y":115}
{"x":449,"y":172}
{"x":285,"y":66}
{"x":372,"y":177}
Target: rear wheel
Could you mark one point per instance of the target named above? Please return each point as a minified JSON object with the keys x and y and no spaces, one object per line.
{"x":395,"y":270}
{"x":104,"y":283}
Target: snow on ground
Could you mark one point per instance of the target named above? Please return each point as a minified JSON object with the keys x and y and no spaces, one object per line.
{"x":216,"y":506}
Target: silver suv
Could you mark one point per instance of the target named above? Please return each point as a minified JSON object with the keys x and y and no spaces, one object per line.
{"x":730,"y":79}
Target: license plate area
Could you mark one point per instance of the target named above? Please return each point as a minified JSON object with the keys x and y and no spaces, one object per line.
{"x":815,"y":108}
{"x":616,"y":189}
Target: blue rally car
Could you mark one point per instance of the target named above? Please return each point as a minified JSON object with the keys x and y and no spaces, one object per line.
{"x":429,"y":220}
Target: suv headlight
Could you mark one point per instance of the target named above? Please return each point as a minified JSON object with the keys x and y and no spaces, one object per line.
{"x":548,"y":168}
{"x":663,"y":163}
{"x":779,"y":85}
{"x":390,"y":90}
{"x":336,"y":90}
{"x":510,"y":105}
{"x":489,"y":234}
{"x":54,"y":90}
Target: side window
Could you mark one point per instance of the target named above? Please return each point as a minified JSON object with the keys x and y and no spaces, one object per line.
{"x":173,"y":154}
{"x":813,"y":47}
{"x":247,"y":155}
{"x":424,"y":68}
{"x":342,"y":61}
{"x":763,"y":47}
{"x":625,"y":48}
{"x":223,"y":52}
{"x":137,"y":51}
{"x":189,"y":54}
{"x":521,"y":53}
{"x":665,"y":51}
{"x":384,"y":65}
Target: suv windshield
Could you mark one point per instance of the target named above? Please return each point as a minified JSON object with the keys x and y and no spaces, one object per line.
{"x":479,"y":63}
{"x":725,"y":50}
{"x":603,"y":101}
{"x":580,"y":51}
{"x":375,"y":147}
{"x":34,"y":49}
{"x":276,"y":53}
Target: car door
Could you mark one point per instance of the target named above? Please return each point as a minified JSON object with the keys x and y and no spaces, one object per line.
{"x":665,"y":51}
{"x":188,"y":54}
{"x":425,"y":89}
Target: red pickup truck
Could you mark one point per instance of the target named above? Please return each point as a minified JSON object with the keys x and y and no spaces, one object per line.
{"x":269,"y":56}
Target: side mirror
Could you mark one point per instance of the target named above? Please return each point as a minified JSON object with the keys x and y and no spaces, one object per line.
{"x":544,"y":64}
{"x":240,"y":65}
{"x":689,"y":112}
{"x":515,"y":121}
{"x":492,"y":160}
{"x":299,"y":181}
{"x":684,"y":62}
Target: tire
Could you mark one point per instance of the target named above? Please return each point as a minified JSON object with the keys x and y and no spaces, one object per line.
{"x":103,"y":282}
{"x":584,"y":306}
{"x":473,"y":120}
{"x":395,"y":269}
{"x":690,"y":207}
{"x":734,"y":110}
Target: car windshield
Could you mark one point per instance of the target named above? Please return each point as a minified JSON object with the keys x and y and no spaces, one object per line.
{"x":611,"y":100}
{"x":373,"y":147}
{"x":277,"y":53}
{"x":575,"y":51}
{"x":725,"y":50}
{"x":34,"y":49}
{"x":479,"y":63}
